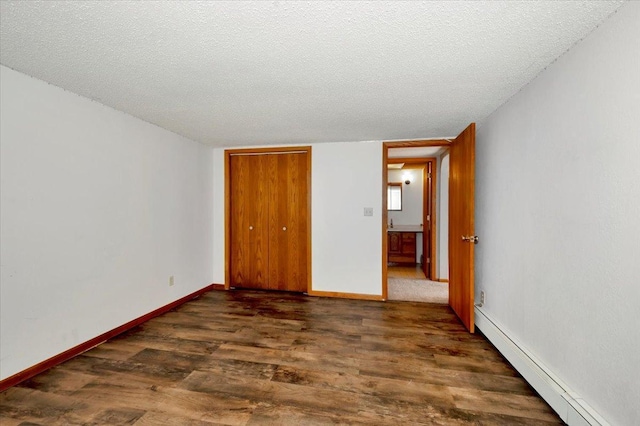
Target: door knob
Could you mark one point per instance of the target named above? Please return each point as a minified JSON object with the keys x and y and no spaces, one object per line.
{"x":284,"y":228}
{"x":251,"y":228}
{"x":470,"y":239}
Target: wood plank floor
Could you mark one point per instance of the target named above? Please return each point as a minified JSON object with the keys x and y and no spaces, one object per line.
{"x":250,"y":358}
{"x":412,"y":272}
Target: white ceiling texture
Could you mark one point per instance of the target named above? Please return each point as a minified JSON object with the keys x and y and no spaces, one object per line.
{"x":247,"y":73}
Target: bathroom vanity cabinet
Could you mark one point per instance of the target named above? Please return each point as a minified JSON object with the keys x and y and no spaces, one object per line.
{"x":401,"y":247}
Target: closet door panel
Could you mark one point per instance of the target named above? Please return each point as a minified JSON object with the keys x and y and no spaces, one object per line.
{"x":249,"y":221}
{"x":288,"y":212}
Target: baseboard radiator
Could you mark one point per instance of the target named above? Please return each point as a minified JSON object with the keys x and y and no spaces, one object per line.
{"x":571,"y":408}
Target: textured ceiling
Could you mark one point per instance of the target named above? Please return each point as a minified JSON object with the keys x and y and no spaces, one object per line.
{"x":245,"y":73}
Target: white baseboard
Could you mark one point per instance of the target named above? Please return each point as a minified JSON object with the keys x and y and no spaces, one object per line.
{"x":571,"y":408}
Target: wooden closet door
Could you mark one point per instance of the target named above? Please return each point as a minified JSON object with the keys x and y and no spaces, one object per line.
{"x":288,"y":225}
{"x":249,"y":221}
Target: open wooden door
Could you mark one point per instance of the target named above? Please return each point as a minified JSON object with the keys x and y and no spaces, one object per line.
{"x":427,"y":212}
{"x":462,"y":237}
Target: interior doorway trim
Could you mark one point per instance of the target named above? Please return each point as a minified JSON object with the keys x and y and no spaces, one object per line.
{"x":228,"y":153}
{"x":429,"y":198}
{"x":417,"y":143}
{"x":385,"y":216}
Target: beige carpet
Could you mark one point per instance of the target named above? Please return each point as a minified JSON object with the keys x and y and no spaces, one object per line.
{"x":418,"y":290}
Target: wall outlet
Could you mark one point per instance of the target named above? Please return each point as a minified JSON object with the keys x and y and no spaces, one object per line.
{"x":368,"y":211}
{"x":170,"y":280}
{"x":482,"y":297}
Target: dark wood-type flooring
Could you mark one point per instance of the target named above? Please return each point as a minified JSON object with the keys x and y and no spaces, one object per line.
{"x":247,"y":358}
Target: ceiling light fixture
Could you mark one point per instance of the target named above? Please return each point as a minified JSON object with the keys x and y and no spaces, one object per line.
{"x":407,"y":178}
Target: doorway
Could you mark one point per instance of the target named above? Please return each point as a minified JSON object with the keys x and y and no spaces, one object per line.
{"x":415,"y":186}
{"x":462,"y":238}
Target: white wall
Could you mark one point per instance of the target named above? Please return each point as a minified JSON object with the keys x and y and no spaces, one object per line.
{"x":442,"y":226}
{"x":558,"y":208}
{"x":97,"y":210}
{"x":411,"y":213}
{"x":346,"y":246}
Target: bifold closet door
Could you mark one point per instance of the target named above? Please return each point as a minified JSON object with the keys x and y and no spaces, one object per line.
{"x":288,"y":221}
{"x":249,"y":221}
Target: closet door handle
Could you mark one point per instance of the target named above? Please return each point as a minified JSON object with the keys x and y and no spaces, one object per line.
{"x":284,"y":228}
{"x":250,"y":228}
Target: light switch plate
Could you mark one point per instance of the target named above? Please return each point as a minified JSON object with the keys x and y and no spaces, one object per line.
{"x":368,"y":211}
